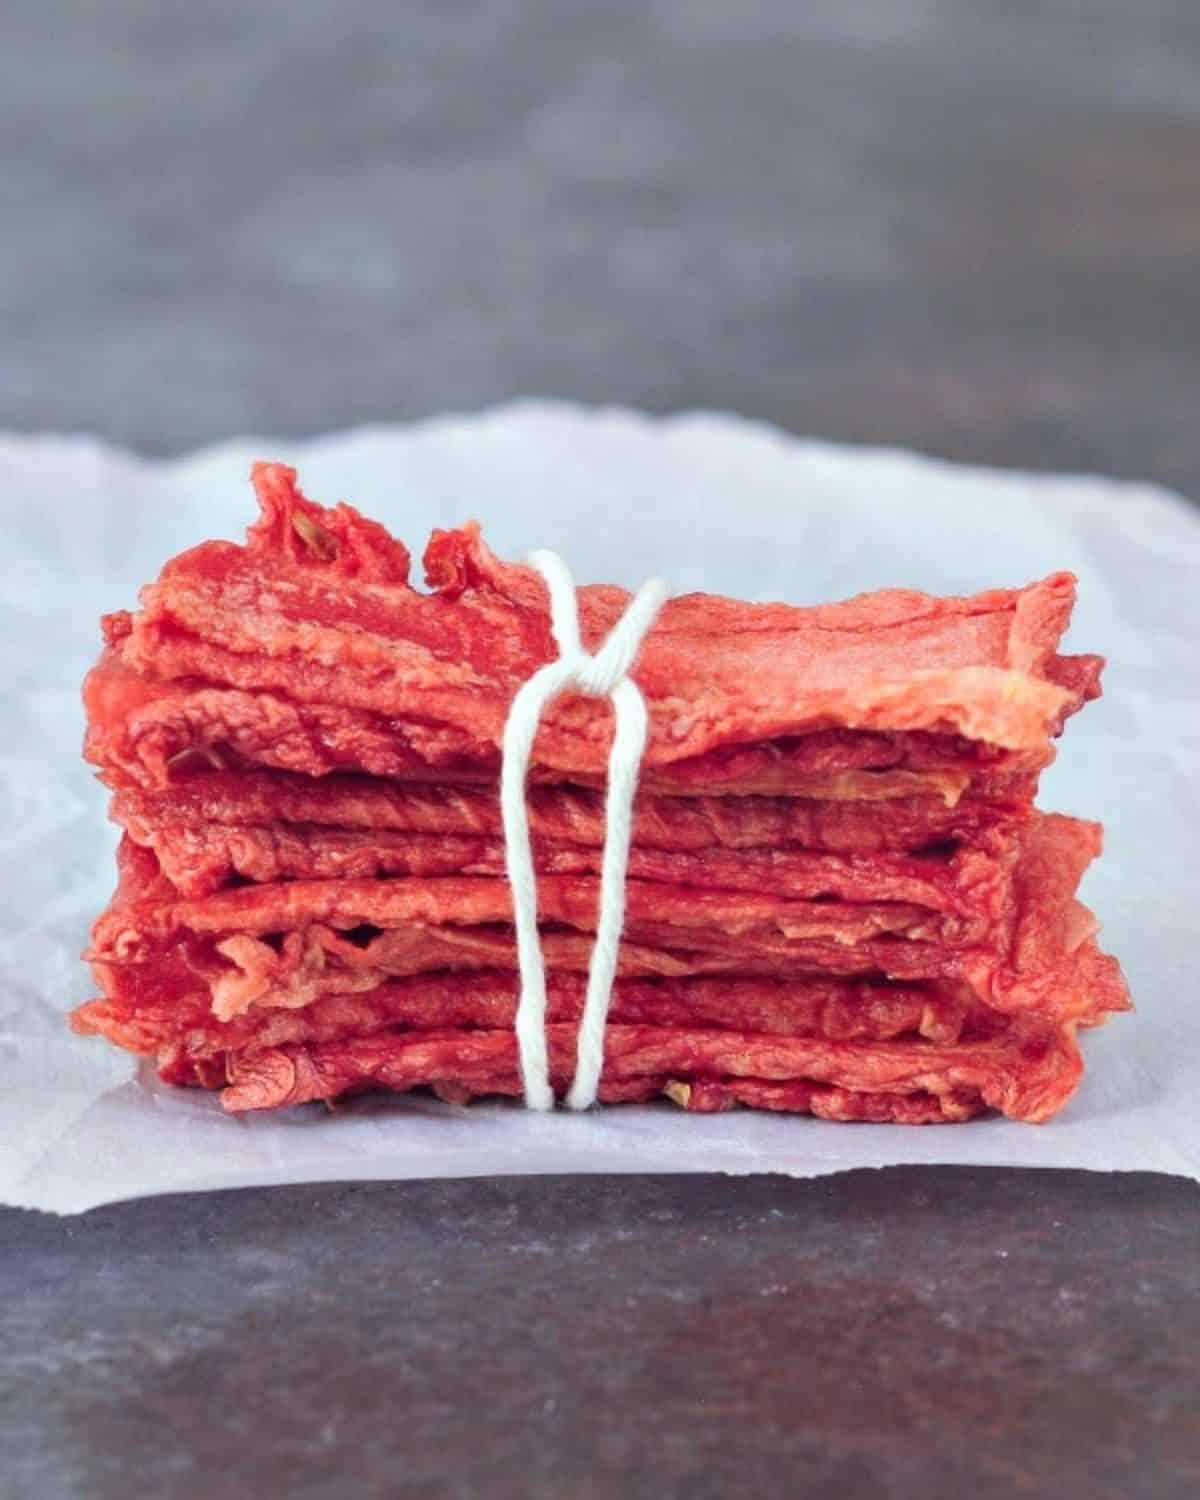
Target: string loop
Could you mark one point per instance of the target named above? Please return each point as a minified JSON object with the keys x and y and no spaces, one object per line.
{"x":602,"y":675}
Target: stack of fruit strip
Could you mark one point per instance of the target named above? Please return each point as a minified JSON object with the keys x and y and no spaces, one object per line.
{"x":841,"y":900}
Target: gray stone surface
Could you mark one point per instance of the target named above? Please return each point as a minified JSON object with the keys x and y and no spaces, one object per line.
{"x":960,"y":225}
{"x":877,"y":1336}
{"x":954,"y":224}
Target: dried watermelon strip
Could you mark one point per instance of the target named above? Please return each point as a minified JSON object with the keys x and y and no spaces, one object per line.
{"x":279,"y":946}
{"x":144,"y":733}
{"x":202,"y":858}
{"x":313,"y":615}
{"x":251,"y":977}
{"x":824,"y":1102}
{"x":265,"y":1078}
{"x":991,"y":909}
{"x":149,"y":1020}
{"x":571,"y":815}
{"x":1027,"y":1075}
{"x":703,"y":919}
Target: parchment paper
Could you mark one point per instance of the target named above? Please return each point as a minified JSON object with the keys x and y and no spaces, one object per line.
{"x":709,"y":502}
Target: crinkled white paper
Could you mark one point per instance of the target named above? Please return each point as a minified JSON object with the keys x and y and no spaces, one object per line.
{"x":709,"y":502}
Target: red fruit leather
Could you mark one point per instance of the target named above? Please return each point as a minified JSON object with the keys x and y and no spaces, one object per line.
{"x":841,"y":900}
{"x":307,"y":649}
{"x":1026,"y":1075}
{"x":1026,"y":946}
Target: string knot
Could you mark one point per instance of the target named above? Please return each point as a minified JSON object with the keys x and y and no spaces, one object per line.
{"x":604,"y":674}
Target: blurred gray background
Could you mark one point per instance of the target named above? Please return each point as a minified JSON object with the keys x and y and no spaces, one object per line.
{"x":971,"y":226}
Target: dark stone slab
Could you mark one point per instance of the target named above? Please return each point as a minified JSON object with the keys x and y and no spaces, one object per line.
{"x":880,"y":1334}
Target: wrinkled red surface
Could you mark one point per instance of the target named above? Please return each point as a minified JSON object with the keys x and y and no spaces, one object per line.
{"x":840,"y":898}
{"x":149,"y":1019}
{"x":314,"y":655}
{"x":1026,"y":947}
{"x":568,"y":815}
{"x":201,"y":858}
{"x":275,"y":1080}
{"x":248,"y":976}
{"x":1027,"y":1076}
{"x":147,"y":733}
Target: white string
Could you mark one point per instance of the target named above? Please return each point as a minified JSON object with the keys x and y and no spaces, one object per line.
{"x":604,"y":675}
